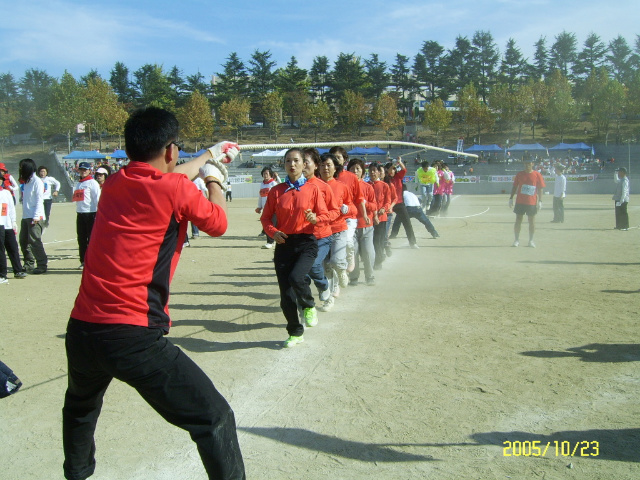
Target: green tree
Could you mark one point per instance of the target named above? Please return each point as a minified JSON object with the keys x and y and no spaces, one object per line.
{"x":485,"y":61}
{"x":272,"y":111}
{"x":36,"y":87}
{"x":563,"y":53}
{"x":592,"y":56}
{"x":103,"y":111}
{"x":562,"y":112}
{"x":120,"y":83}
{"x":385,"y":113}
{"x":67,"y":106}
{"x":620,"y":59}
{"x":9,"y":105}
{"x":352,"y":110}
{"x":606,"y":98}
{"x":437,"y":118}
{"x":196,"y":120}
{"x":320,"y":118}
{"x":320,"y":77}
{"x":513,"y":66}
{"x":234,"y":80}
{"x":261,"y":75}
{"x":152,"y":87}
{"x":377,"y":78}
{"x":433,"y":75}
{"x":403,"y":83}
{"x":540,"y":66}
{"x":234,"y":114}
{"x":292,"y":83}
{"x":473,"y":113}
{"x":457,"y":67}
{"x":177,"y":86}
{"x":348,"y":74}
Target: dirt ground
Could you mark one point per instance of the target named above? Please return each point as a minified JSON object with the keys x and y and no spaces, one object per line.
{"x":463,"y":345}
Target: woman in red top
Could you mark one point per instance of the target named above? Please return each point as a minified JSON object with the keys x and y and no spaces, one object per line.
{"x":364,"y":229}
{"x":336,"y":265}
{"x":383,"y":200}
{"x":298,"y":206}
{"x":322,"y":230}
{"x":402,"y":216}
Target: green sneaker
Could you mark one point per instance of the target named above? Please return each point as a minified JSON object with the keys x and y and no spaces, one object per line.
{"x":311,"y":317}
{"x":292,"y":341}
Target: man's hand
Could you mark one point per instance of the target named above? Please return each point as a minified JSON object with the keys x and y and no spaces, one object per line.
{"x":310,"y":216}
{"x":280,"y":237}
{"x":511,"y":203}
{"x":222,"y":149}
{"x":214,"y":172}
{"x":258,"y":210}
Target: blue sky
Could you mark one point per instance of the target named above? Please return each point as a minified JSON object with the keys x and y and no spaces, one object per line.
{"x":198,"y":35}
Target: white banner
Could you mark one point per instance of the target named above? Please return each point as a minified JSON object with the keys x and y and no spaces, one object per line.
{"x":240,"y":179}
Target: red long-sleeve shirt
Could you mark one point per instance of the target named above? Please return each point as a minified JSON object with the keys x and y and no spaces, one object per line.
{"x":323,"y":229}
{"x":289,"y":208}
{"x":351,"y":181}
{"x":396,"y":182}
{"x":341,"y":196}
{"x":370,"y":204}
{"x":383,"y":198}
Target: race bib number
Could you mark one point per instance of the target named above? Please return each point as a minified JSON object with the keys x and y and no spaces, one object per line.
{"x":264,"y":192}
{"x":528,"y":190}
{"x":78,"y":196}
{"x":4,"y":209}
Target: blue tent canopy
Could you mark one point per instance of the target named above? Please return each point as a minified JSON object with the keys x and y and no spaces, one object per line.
{"x":117,"y":154}
{"x":581,"y":147}
{"x":88,"y":155}
{"x":323,"y":150}
{"x":367,"y":151}
{"x":485,"y":148}
{"x":183,"y":154}
{"x":527,"y":147}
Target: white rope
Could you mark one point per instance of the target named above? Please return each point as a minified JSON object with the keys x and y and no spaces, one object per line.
{"x":420,"y":146}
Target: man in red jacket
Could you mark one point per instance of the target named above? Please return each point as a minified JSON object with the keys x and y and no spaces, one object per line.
{"x":118,"y":324}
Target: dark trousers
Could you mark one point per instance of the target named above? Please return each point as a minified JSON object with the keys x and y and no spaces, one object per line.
{"x":622,"y":217}
{"x":163,"y":375}
{"x":47,"y":211}
{"x":3,"y":256}
{"x":31,"y":244}
{"x":379,"y":241}
{"x":84,"y":225}
{"x":436,"y":203}
{"x":558,"y":209}
{"x":402,"y":217}
{"x":11,"y":246}
{"x":418,"y":214}
{"x":293,"y":260}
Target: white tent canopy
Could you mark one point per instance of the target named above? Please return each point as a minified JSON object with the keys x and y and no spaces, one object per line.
{"x":271,"y":153}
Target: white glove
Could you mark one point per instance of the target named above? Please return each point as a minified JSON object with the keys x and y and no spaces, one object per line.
{"x":344,"y":209}
{"x":511,"y":203}
{"x":228,"y":149}
{"x":539,"y":205}
{"x":211,"y":170}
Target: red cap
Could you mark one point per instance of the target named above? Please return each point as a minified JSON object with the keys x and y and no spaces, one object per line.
{"x":3,"y":167}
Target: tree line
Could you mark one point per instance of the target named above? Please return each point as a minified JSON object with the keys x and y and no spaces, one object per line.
{"x":492,"y":91}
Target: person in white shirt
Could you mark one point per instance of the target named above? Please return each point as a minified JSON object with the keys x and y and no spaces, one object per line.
{"x":559,"y":192}
{"x":414,"y":209}
{"x":8,"y":229}
{"x":621,"y":199}
{"x":86,"y":194}
{"x":32,"y":224}
{"x":51,"y":189}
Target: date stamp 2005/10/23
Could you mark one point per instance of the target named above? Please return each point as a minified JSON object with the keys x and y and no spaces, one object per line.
{"x":555,"y":448}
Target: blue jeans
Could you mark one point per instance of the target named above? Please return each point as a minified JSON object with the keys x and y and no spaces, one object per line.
{"x":417,"y":213}
{"x":317,"y":270}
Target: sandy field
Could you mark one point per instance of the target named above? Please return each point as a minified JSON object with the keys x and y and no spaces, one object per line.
{"x":469,"y":359}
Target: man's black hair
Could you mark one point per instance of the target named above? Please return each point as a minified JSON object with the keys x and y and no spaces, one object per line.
{"x":148,"y":131}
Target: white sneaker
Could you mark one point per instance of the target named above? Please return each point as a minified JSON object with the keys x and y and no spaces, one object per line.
{"x":336,"y":290}
{"x":327,"y":305}
{"x":343,"y":279}
{"x":515,"y":244}
{"x":268,"y":245}
{"x":351,"y":261}
{"x":325,"y":295}
{"x":3,"y":280}
{"x":531,"y":244}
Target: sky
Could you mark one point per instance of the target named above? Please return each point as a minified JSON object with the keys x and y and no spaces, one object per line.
{"x":198,"y":35}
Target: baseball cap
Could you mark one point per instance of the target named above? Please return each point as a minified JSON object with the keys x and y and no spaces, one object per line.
{"x":621,"y":169}
{"x":3,"y":166}
{"x":102,"y":170}
{"x":85,"y":165}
